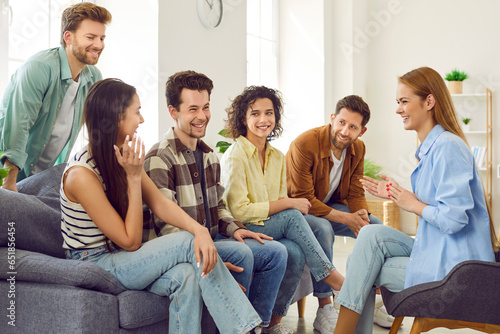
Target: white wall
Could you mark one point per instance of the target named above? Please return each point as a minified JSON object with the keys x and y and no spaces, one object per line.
{"x":403,"y":35}
{"x":131,"y":54}
{"x":184,"y":44}
{"x":301,"y":67}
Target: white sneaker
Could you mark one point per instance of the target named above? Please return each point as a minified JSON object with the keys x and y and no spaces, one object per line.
{"x":326,"y":319}
{"x":382,"y":318}
{"x":277,"y":329}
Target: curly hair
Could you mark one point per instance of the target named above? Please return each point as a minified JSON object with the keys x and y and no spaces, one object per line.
{"x":237,"y":112}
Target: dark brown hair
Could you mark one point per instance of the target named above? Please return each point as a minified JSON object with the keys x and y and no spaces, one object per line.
{"x":356,"y":104}
{"x":104,"y":107}
{"x":237,"y":112}
{"x":74,"y":15}
{"x":186,"y":79}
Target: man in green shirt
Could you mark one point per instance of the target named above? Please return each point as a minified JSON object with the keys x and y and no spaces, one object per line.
{"x":41,"y":110}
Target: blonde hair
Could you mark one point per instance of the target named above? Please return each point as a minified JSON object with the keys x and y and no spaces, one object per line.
{"x":425,"y":81}
{"x":74,"y":15}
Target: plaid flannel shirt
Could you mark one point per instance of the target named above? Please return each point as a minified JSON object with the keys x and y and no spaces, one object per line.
{"x":172,"y":167}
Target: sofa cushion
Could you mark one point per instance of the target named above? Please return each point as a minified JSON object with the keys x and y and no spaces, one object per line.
{"x":40,"y":268}
{"x":141,"y":308}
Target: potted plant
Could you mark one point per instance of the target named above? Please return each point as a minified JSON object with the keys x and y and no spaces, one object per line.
{"x":3,"y":172}
{"x":372,"y":170}
{"x":222,"y":144}
{"x":455,"y":80}
{"x":466,"y":121}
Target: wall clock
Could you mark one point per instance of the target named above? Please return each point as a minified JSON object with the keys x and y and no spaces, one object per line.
{"x":210,"y":12}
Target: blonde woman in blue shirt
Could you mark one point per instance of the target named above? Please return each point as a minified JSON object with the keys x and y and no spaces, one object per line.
{"x":454,"y":222}
{"x":254,"y":175}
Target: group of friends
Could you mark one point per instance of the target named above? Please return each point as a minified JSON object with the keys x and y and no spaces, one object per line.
{"x":235,"y":234}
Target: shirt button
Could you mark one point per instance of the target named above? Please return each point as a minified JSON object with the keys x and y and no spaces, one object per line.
{"x":195,"y":174}
{"x":200,"y":197}
{"x":204,"y":221}
{"x":188,"y":151}
{"x":59,"y":106}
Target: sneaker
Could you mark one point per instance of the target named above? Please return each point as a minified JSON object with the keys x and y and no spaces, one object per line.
{"x":277,"y":329}
{"x":382,"y":318}
{"x":256,"y":330}
{"x":326,"y":319}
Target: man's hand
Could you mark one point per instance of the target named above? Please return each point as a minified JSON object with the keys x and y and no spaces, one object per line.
{"x":242,"y":233}
{"x":355,"y":221}
{"x":9,"y":182}
{"x":204,"y":248}
{"x":232,"y":267}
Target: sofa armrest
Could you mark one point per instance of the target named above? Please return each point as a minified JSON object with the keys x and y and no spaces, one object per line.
{"x":41,"y":268}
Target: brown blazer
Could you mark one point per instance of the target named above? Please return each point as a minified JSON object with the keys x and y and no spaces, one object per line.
{"x":308,"y":165}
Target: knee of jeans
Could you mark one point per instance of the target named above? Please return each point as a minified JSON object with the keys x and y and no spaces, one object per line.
{"x":279,"y":256}
{"x":369,"y":233}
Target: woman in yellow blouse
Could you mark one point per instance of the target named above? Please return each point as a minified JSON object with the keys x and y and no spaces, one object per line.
{"x":254,"y":175}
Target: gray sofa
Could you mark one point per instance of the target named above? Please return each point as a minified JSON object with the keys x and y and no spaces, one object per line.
{"x":52,"y":294}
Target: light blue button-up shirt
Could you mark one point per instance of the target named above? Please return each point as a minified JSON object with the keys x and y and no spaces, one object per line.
{"x":30,"y":105}
{"x":454,"y":226}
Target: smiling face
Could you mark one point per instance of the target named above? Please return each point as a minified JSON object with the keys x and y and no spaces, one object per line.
{"x":131,"y":119}
{"x":345,"y":129}
{"x":87,"y":42}
{"x":192,"y":118}
{"x":260,"y":120}
{"x":416,"y":113}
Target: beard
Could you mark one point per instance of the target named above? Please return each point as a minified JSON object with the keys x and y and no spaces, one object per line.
{"x":338,"y":145}
{"x":81,"y":55}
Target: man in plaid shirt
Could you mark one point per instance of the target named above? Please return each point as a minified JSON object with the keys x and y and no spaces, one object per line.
{"x":187,"y":171}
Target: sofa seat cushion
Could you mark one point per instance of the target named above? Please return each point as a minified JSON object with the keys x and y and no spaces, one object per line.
{"x":41,"y":268}
{"x":141,"y":308}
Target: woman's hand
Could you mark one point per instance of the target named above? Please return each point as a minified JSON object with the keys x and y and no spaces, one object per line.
{"x":378,"y":188}
{"x":132,"y":157}
{"x":301,"y":204}
{"x":405,"y":199}
{"x":204,"y":249}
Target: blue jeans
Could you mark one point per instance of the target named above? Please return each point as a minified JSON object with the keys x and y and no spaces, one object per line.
{"x":263,"y":269}
{"x":166,"y":266}
{"x":379,"y":258}
{"x":325,"y":231}
{"x":290,"y":228}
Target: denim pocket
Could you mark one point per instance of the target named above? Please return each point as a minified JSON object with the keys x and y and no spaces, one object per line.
{"x":86,"y":254}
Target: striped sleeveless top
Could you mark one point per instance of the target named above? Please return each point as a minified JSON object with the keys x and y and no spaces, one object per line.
{"x":78,"y":230}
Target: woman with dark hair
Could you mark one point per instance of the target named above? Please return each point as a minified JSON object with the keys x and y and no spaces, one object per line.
{"x":454,"y":224}
{"x":102,"y":191}
{"x":254,"y":175}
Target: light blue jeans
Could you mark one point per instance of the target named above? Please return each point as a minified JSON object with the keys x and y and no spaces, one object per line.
{"x":291,"y":229}
{"x":325,"y":231}
{"x":166,"y":266}
{"x":263,"y":268}
{"x":379,"y":258}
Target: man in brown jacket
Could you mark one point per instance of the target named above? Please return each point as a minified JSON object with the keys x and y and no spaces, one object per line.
{"x":324,"y":165}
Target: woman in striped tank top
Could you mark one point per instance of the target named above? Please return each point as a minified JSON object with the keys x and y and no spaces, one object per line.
{"x":102,"y":191}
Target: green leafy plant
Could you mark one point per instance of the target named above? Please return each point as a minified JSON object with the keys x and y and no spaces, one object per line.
{"x":222,"y":144}
{"x":466,"y":120}
{"x":372,"y":169}
{"x":3,"y":172}
{"x":456,"y":75}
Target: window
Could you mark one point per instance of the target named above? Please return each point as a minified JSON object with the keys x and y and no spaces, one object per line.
{"x":262,"y":43}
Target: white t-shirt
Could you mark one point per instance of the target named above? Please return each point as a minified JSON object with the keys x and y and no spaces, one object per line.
{"x":335,"y":174}
{"x":62,"y":129}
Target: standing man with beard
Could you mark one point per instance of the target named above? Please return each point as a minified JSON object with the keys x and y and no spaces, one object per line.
{"x":41,"y":111}
{"x":325,"y":165}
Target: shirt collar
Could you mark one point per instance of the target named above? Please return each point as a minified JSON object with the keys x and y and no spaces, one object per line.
{"x":178,"y":146}
{"x":66,"y":71}
{"x":429,"y":141}
{"x":250,"y":148}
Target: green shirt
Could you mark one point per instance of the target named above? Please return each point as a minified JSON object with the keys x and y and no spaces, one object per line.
{"x":30,"y":105}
